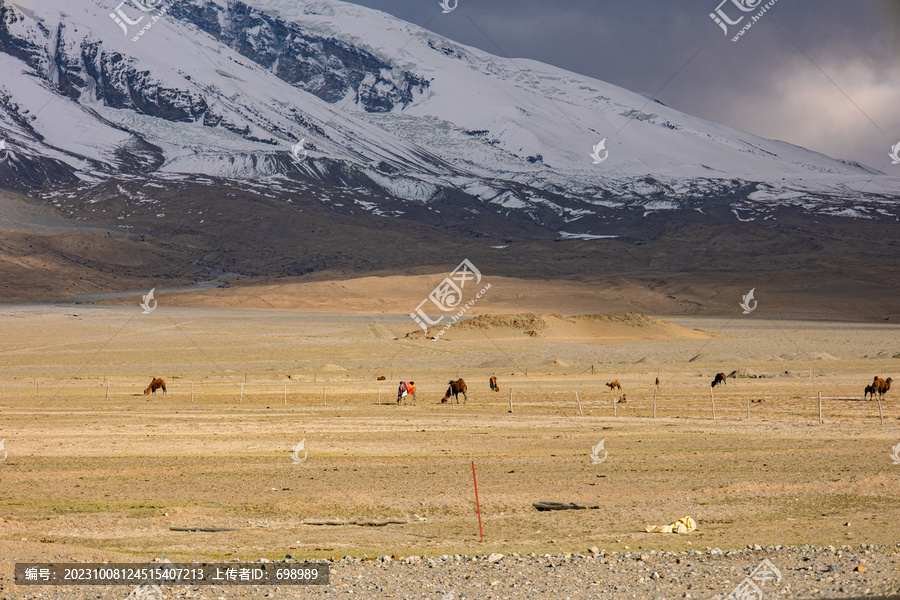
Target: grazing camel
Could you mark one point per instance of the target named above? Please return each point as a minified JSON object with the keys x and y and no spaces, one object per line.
{"x":494,"y":386}
{"x":614,"y":385}
{"x":456,"y":388}
{"x":720,"y":378}
{"x":657,"y":382}
{"x":406,"y":389}
{"x":882,"y":386}
{"x":381,"y":378}
{"x":155,"y":385}
{"x":869,"y":394}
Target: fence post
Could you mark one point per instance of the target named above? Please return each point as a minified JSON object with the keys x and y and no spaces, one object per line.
{"x":880,"y":414}
{"x":379,"y":396}
{"x":654,"y":403}
{"x":580,"y":412}
{"x":510,"y":400}
{"x":748,"y":408}
{"x":107,"y":389}
{"x":324,"y":398}
{"x":242,"y":392}
{"x":192,"y":391}
{"x":713,"y":398}
{"x":820,"y":406}
{"x":615,"y":401}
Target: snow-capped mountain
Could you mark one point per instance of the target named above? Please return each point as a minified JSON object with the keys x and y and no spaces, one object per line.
{"x":282,"y":91}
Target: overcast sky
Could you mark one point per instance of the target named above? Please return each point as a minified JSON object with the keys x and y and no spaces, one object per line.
{"x":823,"y":74}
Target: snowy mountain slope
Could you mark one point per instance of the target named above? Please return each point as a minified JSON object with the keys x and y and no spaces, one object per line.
{"x":225,"y":88}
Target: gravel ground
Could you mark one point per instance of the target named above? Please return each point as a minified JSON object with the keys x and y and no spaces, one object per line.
{"x":808,"y":572}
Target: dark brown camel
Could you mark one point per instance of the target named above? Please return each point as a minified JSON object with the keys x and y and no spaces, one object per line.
{"x":720,"y":378}
{"x":456,"y":388}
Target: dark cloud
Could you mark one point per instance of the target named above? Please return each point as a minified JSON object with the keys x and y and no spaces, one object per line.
{"x":823,"y":75}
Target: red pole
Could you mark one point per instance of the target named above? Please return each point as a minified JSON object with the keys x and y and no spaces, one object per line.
{"x":477,"y":506}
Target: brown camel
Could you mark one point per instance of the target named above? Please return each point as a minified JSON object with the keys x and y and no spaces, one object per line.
{"x":882,"y":386}
{"x":494,"y":386}
{"x":869,"y":393}
{"x":720,"y":378}
{"x":614,"y":385}
{"x":155,"y":385}
{"x":456,"y":388}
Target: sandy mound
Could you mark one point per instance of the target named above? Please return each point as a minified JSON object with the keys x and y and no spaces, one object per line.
{"x":624,"y":326}
{"x":711,"y":357}
{"x":557,"y":363}
{"x":744,"y":374}
{"x":331,"y":367}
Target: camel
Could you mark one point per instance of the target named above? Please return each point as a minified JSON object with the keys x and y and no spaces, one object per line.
{"x":720,"y":378}
{"x":614,"y":385}
{"x":406,"y":389}
{"x":155,"y":385}
{"x":456,"y":388}
{"x":494,"y":386}
{"x":869,"y":393}
{"x":657,"y":382}
{"x":622,"y":400}
{"x":381,"y":378}
{"x":882,"y":386}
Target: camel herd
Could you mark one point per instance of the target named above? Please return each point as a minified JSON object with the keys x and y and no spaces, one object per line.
{"x":455,"y":388}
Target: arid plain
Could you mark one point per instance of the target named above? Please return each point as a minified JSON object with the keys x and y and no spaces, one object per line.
{"x":105,"y":477}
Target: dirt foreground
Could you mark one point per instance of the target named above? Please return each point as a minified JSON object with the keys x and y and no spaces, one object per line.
{"x":94,"y":470}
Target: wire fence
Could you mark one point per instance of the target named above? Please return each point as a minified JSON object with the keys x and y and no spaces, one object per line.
{"x":684,"y":397}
